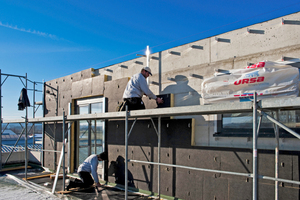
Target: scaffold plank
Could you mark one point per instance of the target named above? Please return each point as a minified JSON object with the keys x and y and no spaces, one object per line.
{"x":226,"y":107}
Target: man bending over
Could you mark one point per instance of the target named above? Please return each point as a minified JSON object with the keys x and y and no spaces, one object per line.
{"x":88,"y":167}
{"x":136,"y":88}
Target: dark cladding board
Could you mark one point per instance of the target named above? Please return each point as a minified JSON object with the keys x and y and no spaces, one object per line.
{"x":192,"y":184}
{"x":151,"y":104}
{"x":175,"y":132}
{"x":167,"y":100}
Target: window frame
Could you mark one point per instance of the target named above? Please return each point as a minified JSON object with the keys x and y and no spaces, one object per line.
{"x":240,"y":132}
{"x":92,"y":124}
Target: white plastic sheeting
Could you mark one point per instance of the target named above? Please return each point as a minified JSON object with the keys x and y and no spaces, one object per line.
{"x":268,"y":79}
{"x":13,"y":188}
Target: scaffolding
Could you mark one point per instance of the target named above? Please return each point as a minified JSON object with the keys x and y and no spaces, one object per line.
{"x":254,"y":106}
{"x":25,"y":129}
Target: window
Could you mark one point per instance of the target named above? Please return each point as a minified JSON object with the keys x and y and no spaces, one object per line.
{"x":240,"y":124}
{"x":91,"y":133}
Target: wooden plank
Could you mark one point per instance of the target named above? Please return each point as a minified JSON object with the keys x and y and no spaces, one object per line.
{"x":77,"y":189}
{"x":52,"y":176}
{"x":40,"y":176}
{"x":14,"y":168}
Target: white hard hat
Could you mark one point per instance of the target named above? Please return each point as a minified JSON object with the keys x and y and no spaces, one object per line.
{"x":148,"y":70}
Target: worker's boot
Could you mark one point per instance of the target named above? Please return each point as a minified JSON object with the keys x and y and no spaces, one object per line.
{"x":71,"y":185}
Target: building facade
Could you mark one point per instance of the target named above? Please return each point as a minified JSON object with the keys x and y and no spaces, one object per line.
{"x":221,"y":142}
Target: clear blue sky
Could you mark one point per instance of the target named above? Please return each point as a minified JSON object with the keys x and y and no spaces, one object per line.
{"x":48,"y":39}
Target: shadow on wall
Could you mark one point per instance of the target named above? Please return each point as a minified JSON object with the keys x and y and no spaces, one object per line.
{"x":118,"y":168}
{"x":190,"y":96}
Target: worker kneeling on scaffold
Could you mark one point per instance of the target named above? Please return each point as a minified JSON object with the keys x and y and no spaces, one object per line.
{"x":88,"y":167}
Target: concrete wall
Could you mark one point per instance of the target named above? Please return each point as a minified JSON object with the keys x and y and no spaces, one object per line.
{"x":181,"y":70}
{"x":19,"y":157}
{"x":64,"y":89}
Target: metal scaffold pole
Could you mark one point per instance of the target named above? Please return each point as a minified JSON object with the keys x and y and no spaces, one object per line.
{"x":33,"y":116}
{"x":159,"y":156}
{"x":43,"y":125}
{"x":1,"y":120}
{"x":255,"y":146}
{"x":69,"y":139}
{"x":126,"y":154}
{"x":63,"y":151}
{"x":26,"y":135}
{"x":276,"y":157}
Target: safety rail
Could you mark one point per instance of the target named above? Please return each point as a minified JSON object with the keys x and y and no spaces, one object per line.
{"x":226,"y":107}
{"x":8,"y":148}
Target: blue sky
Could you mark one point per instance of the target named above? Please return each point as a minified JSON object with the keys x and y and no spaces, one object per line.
{"x":48,"y":39}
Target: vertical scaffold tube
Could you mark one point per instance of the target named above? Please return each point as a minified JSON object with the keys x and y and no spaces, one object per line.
{"x":126,"y":153}
{"x":276,"y":157}
{"x":33,"y":115}
{"x":159,"y":156}
{"x":0,"y":120}
{"x":26,"y":136}
{"x":43,"y":125}
{"x":63,"y":151}
{"x":255,"y":146}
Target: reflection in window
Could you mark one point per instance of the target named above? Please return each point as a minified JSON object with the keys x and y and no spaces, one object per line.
{"x":97,"y":108}
{"x":240,"y":124}
{"x":91,"y":132}
{"x":83,"y":154}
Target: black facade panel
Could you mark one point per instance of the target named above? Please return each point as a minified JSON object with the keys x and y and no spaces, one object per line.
{"x":193,"y":184}
{"x":215,"y":188}
{"x":240,"y":189}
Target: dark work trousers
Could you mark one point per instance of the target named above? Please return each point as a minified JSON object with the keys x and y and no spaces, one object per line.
{"x":134,"y":104}
{"x":85,"y":182}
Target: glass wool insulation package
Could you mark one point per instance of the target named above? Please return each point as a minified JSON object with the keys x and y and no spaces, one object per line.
{"x":268,"y":79}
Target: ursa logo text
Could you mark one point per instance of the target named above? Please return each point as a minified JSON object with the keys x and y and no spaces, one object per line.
{"x":257,"y":65}
{"x":249,"y":80}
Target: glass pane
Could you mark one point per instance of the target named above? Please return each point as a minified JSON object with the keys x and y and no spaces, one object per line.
{"x":83,"y":154}
{"x":244,"y":120}
{"x":83,"y":127}
{"x":235,"y":120}
{"x":84,"y":109}
{"x":84,"y":133}
{"x":99,"y":135}
{"x":97,"y":108}
{"x":288,"y":118}
{"x":98,"y":150}
{"x":100,"y":131}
